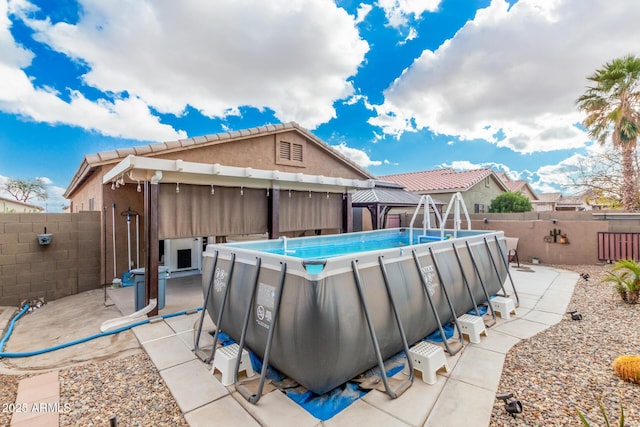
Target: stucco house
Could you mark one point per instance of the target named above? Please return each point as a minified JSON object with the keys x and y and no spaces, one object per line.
{"x":518,"y":186}
{"x":557,"y":202}
{"x":15,"y":206}
{"x":263,"y":182}
{"x":478,"y":187}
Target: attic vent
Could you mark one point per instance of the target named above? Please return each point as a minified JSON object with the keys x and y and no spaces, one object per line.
{"x":290,"y":153}
{"x":285,"y":150}
{"x":296,"y":152}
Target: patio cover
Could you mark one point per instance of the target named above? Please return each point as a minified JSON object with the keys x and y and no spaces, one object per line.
{"x":166,"y":216}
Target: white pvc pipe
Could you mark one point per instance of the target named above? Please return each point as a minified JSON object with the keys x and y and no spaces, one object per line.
{"x":113,"y":230}
{"x":128,"y":241}
{"x":137,"y":241}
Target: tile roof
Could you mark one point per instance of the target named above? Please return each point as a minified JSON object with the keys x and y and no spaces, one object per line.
{"x":549,"y":197}
{"x":93,"y":161}
{"x":440,"y":180}
{"x":572,"y":201}
{"x":511,"y":184}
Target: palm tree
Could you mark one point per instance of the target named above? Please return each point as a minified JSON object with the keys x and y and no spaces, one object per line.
{"x":612,"y":105}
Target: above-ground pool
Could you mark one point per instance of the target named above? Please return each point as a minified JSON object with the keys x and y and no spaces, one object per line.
{"x":320,"y":336}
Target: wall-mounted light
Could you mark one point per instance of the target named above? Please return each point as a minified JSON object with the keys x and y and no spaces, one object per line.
{"x":267,"y":192}
{"x":289,"y":192}
{"x":242,"y":191}
{"x":177,"y":187}
{"x":309,"y":193}
{"x":555,"y":221}
{"x":139,"y":188}
{"x":213,"y":190}
{"x":113,"y":185}
{"x":485,"y":220}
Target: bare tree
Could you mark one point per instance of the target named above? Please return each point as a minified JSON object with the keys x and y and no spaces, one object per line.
{"x":25,"y":190}
{"x":600,"y":177}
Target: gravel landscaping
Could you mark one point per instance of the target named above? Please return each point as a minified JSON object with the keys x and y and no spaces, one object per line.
{"x":568,"y":366}
{"x":563,"y":368}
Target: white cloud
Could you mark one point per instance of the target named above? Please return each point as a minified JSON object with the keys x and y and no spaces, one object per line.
{"x":511,"y":75}
{"x":360,"y":157}
{"x":398,"y":12}
{"x":461,"y":165}
{"x":213,"y":56}
{"x":363,"y":11}
{"x":119,"y":117}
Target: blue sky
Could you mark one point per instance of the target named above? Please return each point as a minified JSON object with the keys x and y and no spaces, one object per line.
{"x":396,"y":85}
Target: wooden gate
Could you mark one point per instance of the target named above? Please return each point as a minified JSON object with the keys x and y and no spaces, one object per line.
{"x":617,"y":246}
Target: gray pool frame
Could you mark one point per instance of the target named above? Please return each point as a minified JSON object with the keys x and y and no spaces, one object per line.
{"x":324,"y":329}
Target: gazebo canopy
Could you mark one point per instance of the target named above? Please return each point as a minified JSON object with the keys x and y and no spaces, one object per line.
{"x":383,"y":196}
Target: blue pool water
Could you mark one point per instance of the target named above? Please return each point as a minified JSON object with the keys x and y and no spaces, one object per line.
{"x":328,"y":250}
{"x":314,"y":250}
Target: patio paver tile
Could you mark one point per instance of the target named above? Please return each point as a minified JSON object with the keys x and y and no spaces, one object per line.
{"x":192,"y":385}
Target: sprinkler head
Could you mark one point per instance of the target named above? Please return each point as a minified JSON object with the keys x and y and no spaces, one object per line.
{"x":585,"y":276}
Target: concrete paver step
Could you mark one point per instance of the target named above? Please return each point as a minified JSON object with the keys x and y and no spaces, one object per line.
{"x":38,"y":401}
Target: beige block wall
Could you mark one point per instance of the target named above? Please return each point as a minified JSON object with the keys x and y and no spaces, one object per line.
{"x":68,"y":265}
{"x":532,"y":228}
{"x":582,"y":246}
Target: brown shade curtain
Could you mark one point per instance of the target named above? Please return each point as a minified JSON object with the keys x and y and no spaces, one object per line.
{"x":195,"y":212}
{"x":301,"y":212}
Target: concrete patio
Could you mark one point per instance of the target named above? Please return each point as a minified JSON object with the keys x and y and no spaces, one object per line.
{"x":471,"y":383}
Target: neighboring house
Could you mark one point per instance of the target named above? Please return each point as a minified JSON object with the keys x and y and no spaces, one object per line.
{"x":478,"y":187}
{"x":546,"y":202}
{"x":14,"y":206}
{"x":262,"y":182}
{"x":518,"y":186}
{"x":557,"y":202}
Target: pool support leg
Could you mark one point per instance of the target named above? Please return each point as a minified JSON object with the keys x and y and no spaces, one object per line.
{"x":464,"y":279}
{"x":505,"y":260}
{"x":446,"y":296}
{"x":495,"y":268}
{"x":372,"y":332}
{"x":433,"y":307}
{"x":406,"y":384}
{"x":484,"y":288}
{"x":254,"y":398}
{"x":196,"y":346}
{"x":232,"y":262}
{"x":245,"y":322}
